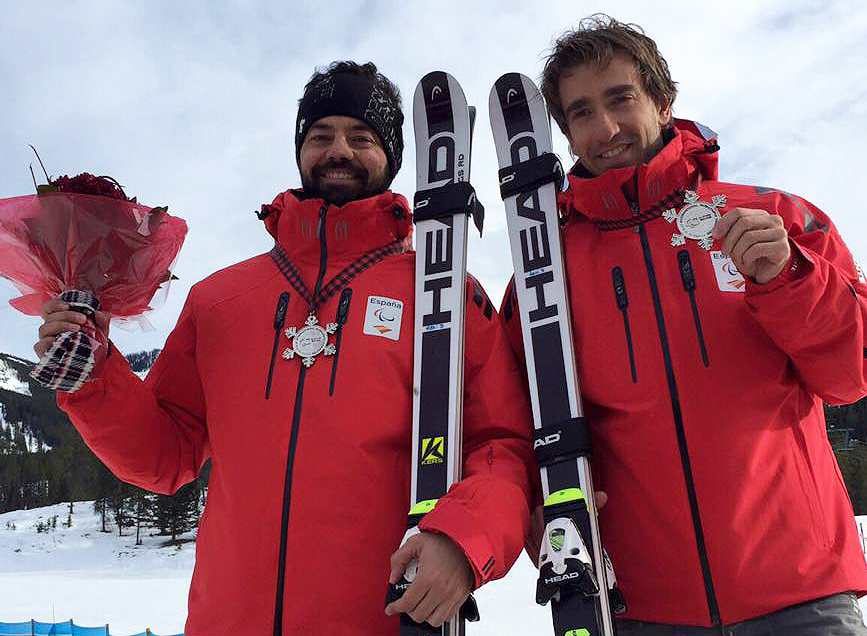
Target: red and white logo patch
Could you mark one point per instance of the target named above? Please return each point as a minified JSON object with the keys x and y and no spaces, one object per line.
{"x":382,"y":317}
{"x":728,"y":278}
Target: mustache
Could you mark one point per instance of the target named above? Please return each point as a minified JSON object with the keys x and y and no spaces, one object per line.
{"x":345,"y":164}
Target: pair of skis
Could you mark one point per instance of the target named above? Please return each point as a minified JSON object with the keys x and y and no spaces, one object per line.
{"x":572,"y":564}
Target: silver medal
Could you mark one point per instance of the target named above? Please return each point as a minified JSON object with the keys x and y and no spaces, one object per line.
{"x":309,"y":341}
{"x":695,"y":219}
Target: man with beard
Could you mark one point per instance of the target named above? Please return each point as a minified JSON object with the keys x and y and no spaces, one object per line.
{"x":311,"y":449}
{"x":710,"y":322}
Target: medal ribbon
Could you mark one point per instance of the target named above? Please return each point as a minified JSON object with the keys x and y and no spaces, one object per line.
{"x":672,"y":200}
{"x":342,"y":278}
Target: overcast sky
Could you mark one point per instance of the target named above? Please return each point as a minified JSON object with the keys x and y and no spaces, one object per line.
{"x":192,"y":104}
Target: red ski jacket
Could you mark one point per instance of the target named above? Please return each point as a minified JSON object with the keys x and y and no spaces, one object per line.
{"x":343,"y":434}
{"x":704,"y":392}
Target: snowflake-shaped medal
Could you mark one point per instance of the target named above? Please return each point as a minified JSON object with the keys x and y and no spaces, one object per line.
{"x":695,"y":219}
{"x":309,"y":341}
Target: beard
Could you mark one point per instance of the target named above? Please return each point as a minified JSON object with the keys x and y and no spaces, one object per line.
{"x":362,"y":186}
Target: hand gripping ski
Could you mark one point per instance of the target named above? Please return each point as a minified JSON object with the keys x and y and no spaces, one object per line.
{"x":444,"y":201}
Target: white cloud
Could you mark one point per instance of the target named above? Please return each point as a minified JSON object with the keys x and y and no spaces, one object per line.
{"x":193,"y":104}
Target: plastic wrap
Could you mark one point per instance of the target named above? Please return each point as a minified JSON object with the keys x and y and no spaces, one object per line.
{"x":116,"y":249}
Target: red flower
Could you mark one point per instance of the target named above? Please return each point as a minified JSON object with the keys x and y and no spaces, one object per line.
{"x":84,"y":233}
{"x":86,"y":183}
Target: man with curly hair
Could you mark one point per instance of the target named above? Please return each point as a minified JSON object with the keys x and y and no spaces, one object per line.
{"x":711,"y":320}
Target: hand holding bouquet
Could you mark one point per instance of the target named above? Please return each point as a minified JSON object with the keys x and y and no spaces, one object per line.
{"x":83,"y":240}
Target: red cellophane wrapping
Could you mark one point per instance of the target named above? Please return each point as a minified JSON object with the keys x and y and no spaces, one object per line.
{"x":116,"y":249}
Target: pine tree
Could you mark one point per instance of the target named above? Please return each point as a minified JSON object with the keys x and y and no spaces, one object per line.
{"x":144,"y":506}
{"x":106,"y":486}
{"x":178,"y":513}
{"x":122,"y":507}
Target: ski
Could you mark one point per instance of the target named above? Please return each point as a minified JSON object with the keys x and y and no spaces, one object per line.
{"x":444,"y":200}
{"x":572,"y":564}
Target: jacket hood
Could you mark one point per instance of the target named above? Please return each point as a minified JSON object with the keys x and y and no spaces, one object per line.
{"x":691,"y":155}
{"x":351,"y":229}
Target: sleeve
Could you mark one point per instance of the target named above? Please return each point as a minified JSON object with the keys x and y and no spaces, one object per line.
{"x":487,"y":512}
{"x":149,"y":433}
{"x":815,"y":309}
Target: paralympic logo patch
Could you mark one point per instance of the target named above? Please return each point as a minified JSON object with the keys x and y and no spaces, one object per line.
{"x":382,"y":317}
{"x":728,"y":278}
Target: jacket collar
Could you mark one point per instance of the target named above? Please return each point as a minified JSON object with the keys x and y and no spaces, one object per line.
{"x":350,"y":230}
{"x":689,"y":156}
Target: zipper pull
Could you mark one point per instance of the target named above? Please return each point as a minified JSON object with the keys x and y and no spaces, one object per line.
{"x":321,"y":229}
{"x":279,"y":321}
{"x":687,"y":276}
{"x":280,"y":314}
{"x":343,"y":306}
{"x":619,"y":288}
{"x":622,"y":303}
{"x":323,"y":255}
{"x":342,"y":315}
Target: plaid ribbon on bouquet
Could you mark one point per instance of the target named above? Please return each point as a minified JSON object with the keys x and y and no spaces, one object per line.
{"x":67,"y":364}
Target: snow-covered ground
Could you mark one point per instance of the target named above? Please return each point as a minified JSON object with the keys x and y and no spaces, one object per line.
{"x":93,"y":578}
{"x":10,"y":380}
{"x":96,"y":578}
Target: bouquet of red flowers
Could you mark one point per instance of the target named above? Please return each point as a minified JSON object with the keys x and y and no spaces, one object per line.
{"x":82,"y":239}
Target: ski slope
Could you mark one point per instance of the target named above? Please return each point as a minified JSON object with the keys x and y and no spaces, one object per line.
{"x":94,"y":578}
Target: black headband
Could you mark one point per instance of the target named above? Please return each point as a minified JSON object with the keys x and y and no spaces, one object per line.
{"x":353,"y":96}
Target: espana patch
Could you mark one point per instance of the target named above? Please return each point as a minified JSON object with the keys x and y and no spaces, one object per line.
{"x":382,"y":317}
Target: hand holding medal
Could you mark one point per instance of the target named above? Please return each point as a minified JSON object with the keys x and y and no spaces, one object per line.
{"x":756,"y":241}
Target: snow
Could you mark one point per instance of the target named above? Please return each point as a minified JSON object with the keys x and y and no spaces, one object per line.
{"x":10,"y":380}
{"x":33,"y":446}
{"x":89,"y":576}
{"x":96,"y":578}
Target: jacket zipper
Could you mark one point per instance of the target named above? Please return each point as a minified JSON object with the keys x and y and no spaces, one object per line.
{"x":713,"y":606}
{"x":342,"y":314}
{"x":687,"y":276}
{"x":622,"y":305}
{"x":279,"y":321}
{"x":293,"y":442}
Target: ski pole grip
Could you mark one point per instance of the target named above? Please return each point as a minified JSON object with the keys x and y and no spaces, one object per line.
{"x":528,"y":175}
{"x":566,"y":440}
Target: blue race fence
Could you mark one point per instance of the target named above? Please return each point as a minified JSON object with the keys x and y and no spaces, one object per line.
{"x":67,"y":628}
